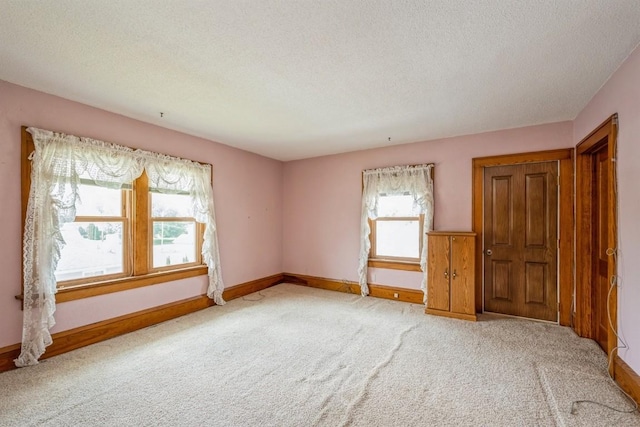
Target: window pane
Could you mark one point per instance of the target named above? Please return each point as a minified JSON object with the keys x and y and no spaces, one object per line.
{"x":174,"y":242}
{"x":99,"y":201}
{"x":92,"y":249}
{"x":398,"y":238}
{"x":401,"y":205}
{"x":171,"y":205}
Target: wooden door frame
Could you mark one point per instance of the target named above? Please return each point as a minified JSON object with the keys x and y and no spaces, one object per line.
{"x":605,"y":134}
{"x":565,"y":214}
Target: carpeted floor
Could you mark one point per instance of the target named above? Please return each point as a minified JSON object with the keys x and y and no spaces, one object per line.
{"x":296,"y":356}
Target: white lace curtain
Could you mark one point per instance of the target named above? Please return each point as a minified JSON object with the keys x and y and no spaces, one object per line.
{"x":58,"y":163}
{"x":397,"y":180}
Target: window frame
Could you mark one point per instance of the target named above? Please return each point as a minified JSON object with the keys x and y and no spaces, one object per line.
{"x":139,"y":272}
{"x":392,"y":262}
{"x":126,"y":252}
{"x":199,"y":235}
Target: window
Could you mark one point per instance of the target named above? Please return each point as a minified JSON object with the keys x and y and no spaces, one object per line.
{"x":100,"y":217}
{"x":396,"y":232}
{"x":97,"y":241}
{"x":175,"y":236}
{"x":99,"y":245}
{"x":122,"y":238}
{"x":397,"y":214}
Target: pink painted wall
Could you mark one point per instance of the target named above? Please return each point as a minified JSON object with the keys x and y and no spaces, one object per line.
{"x":322,"y":196}
{"x":247,"y":191}
{"x":621,"y":94}
{"x":303,"y":216}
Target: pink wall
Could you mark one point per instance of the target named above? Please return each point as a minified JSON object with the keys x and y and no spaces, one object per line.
{"x":247,"y":191}
{"x":322,"y":196}
{"x":303,"y":216}
{"x":621,"y":94}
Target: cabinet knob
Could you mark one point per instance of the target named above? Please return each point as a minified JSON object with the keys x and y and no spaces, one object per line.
{"x":454,"y":274}
{"x":446,"y":274}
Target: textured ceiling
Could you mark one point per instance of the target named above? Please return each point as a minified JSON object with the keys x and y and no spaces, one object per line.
{"x":293,"y":79}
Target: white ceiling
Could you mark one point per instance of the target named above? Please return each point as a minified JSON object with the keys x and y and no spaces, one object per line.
{"x":294,"y":79}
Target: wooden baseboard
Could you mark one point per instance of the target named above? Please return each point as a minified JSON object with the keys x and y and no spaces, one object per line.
{"x":627,"y":378}
{"x":7,"y":356}
{"x":379,"y":291}
{"x":251,"y":287}
{"x":471,"y":317}
{"x":101,"y":331}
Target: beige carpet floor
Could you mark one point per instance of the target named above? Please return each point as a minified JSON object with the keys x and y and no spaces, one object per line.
{"x":296,"y":356}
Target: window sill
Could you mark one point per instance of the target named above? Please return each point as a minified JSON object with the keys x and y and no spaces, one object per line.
{"x":101,"y":288}
{"x":394,"y":265}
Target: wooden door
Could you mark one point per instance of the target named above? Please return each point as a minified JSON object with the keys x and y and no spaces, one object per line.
{"x":438,"y":267}
{"x":600,"y":262}
{"x":462,"y":274}
{"x":520,"y":240}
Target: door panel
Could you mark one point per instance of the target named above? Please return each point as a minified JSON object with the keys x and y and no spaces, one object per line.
{"x":535,"y":282}
{"x":520,"y":240}
{"x":535,"y":209}
{"x":500,"y":289}
{"x":463,"y":268}
{"x":502,"y":202}
{"x":438,"y":267}
{"x":600,"y":263}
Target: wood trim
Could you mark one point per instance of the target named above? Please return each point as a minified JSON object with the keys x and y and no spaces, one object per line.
{"x":532,"y":157}
{"x":588,"y":143}
{"x":124,"y":284}
{"x":612,"y":268}
{"x":627,"y":378}
{"x":394,"y":265}
{"x":387,"y":292}
{"x":605,"y":134}
{"x":451,"y":314}
{"x":85,"y":335}
{"x":72,"y":339}
{"x":346,"y":286}
{"x":251,"y":287}
{"x":584,"y":188}
{"x":565,"y":232}
{"x":142,"y":238}
{"x":566,"y":235}
{"x":7,"y":356}
{"x":452,"y":233}
{"x":26,"y":148}
{"x":379,"y":291}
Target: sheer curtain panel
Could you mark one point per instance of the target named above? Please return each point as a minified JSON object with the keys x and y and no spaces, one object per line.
{"x":396,"y":180}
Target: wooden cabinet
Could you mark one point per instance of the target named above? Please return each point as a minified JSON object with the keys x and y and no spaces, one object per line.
{"x":451,"y":270}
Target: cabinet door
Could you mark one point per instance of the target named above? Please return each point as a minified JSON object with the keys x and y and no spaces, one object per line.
{"x":462,"y":274}
{"x":438,"y":267}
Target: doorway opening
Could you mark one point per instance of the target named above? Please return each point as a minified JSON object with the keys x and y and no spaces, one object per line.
{"x":596,"y":236}
{"x":530,"y":283}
